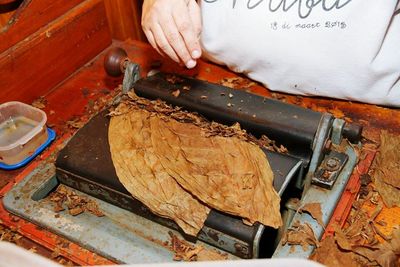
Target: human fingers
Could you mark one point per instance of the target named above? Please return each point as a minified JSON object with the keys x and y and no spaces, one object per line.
{"x":195,"y":15}
{"x":173,"y":35}
{"x":152,"y":41}
{"x":187,"y":29}
{"x":150,"y":11}
{"x":163,"y":43}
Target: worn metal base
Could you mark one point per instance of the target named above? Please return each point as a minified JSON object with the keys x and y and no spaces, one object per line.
{"x":328,"y":198}
{"x":120,"y":235}
{"x":125,"y":237}
{"x":85,"y":164}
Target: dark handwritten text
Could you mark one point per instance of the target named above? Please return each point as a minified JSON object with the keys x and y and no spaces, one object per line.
{"x":304,"y":7}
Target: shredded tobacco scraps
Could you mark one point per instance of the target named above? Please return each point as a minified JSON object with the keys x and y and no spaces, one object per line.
{"x":331,"y":255}
{"x":357,"y":244}
{"x":300,"y":234}
{"x":174,"y":79}
{"x":9,"y":235}
{"x":360,"y":242}
{"x":187,"y":252}
{"x":75,"y":204}
{"x":237,"y":83}
{"x":40,"y":102}
{"x":132,"y":102}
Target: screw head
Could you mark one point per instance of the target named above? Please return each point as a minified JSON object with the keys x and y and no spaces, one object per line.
{"x":332,"y":164}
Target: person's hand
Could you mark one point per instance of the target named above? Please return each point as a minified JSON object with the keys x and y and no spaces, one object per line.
{"x":173,"y":28}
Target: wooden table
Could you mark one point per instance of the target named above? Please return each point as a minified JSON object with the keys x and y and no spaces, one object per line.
{"x":80,"y":96}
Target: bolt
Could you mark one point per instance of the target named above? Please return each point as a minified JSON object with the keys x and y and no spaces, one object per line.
{"x":332,"y":164}
{"x":241,"y":249}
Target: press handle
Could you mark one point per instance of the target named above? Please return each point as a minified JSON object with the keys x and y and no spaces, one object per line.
{"x":115,"y":61}
{"x":353,"y":132}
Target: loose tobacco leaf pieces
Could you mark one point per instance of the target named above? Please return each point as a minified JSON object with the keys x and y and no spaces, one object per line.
{"x":188,"y":252}
{"x":75,"y":204}
{"x":330,"y":255}
{"x":386,"y":175}
{"x":300,"y":234}
{"x":314,"y":210}
{"x":237,"y":83}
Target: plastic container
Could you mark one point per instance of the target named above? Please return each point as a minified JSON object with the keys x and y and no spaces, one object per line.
{"x":22,"y":131}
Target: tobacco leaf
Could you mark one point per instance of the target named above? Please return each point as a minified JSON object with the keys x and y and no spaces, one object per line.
{"x":227,"y":174}
{"x":357,"y":244}
{"x":314,"y":210}
{"x":386,"y":175}
{"x":390,"y":194}
{"x":330,"y":255}
{"x":385,"y":253}
{"x":300,"y":234}
{"x":388,"y":159}
{"x":220,"y":165}
{"x":140,"y":171}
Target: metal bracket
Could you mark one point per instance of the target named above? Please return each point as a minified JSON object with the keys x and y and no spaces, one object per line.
{"x":132,"y":75}
{"x":321,"y":136}
{"x":328,"y":200}
{"x":329,"y":170}
{"x":337,"y":131}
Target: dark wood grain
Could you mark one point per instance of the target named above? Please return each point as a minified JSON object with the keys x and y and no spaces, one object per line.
{"x":124,"y":18}
{"x":33,"y":67}
{"x":31,"y":16}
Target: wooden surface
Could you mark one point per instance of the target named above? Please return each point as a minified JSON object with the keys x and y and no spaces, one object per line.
{"x":78,"y":98}
{"x":31,"y":16}
{"x":7,"y":10}
{"x":33,"y":67}
{"x":124,"y":19}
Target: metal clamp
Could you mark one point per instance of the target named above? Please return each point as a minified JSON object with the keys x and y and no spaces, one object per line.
{"x":132,"y":74}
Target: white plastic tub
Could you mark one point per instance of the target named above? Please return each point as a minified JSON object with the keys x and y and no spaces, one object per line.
{"x":22,"y":131}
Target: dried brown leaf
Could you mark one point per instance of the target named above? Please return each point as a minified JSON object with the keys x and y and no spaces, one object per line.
{"x":390,"y":194}
{"x":237,"y":83}
{"x":76,"y":204}
{"x":181,"y":144}
{"x":176,"y":93}
{"x":140,"y":171}
{"x":386,"y":176}
{"x":300,"y":234}
{"x":330,"y":255}
{"x":188,"y":252}
{"x":314,"y":210}
{"x":132,"y":102}
{"x":238,"y":182}
{"x":40,"y":103}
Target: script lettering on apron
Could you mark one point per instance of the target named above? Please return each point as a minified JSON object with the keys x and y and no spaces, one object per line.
{"x":304,"y":7}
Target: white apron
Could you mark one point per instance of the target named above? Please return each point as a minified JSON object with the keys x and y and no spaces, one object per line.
{"x":347,"y":49}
